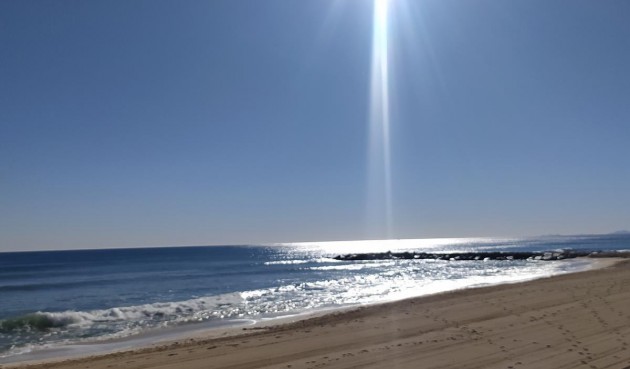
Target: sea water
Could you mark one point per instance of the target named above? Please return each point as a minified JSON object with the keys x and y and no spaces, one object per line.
{"x":55,"y":299}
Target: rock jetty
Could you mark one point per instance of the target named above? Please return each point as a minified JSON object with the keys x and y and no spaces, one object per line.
{"x":498,"y":255}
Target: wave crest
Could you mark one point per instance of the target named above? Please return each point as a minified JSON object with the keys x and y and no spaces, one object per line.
{"x":143,"y":315}
{"x":37,"y":321}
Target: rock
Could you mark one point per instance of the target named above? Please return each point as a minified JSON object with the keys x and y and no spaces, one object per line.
{"x":485,"y":256}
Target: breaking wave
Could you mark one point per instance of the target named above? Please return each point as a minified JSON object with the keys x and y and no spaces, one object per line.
{"x":37,"y":321}
{"x":146,"y":315}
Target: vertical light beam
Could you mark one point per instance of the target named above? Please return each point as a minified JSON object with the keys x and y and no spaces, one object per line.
{"x":380,"y":186}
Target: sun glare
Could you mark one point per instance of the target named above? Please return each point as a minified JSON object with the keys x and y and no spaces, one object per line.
{"x":380,"y":188}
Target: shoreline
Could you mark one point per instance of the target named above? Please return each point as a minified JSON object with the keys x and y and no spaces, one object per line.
{"x":215,"y":329}
{"x":271,"y":332}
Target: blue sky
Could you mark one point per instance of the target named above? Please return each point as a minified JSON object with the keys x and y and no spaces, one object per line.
{"x":149,"y":122}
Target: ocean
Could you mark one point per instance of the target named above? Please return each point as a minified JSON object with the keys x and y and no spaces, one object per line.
{"x":72,"y":302}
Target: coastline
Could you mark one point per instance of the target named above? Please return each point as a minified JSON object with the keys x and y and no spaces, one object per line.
{"x":574,"y":319}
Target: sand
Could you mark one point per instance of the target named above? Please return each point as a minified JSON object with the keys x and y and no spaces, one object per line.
{"x":579,"y":320}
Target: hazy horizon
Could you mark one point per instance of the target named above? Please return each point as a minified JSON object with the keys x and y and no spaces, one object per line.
{"x":314,"y":242}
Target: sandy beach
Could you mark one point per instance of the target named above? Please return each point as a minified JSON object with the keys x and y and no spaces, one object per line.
{"x":579,"y":320}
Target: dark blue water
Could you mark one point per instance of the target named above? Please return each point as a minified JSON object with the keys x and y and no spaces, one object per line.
{"x":56,"y":298}
{"x":94,"y":279}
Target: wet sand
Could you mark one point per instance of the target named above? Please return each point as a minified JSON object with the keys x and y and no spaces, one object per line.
{"x":579,"y":320}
